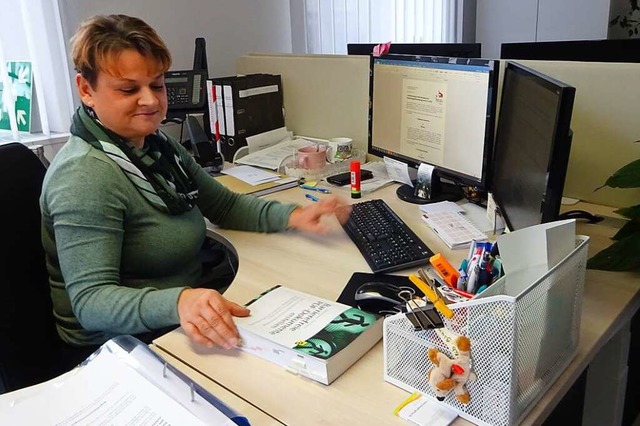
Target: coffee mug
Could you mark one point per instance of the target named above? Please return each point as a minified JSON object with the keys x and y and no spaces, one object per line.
{"x":339,"y":149}
{"x":312,"y":157}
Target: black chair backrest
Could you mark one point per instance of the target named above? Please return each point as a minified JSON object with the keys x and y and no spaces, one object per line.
{"x":29,"y":342}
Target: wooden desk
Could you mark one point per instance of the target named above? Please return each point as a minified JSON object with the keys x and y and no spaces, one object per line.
{"x":322,"y":265}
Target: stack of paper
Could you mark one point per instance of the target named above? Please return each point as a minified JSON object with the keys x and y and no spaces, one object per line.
{"x":448,"y":220}
{"x":250,"y":180}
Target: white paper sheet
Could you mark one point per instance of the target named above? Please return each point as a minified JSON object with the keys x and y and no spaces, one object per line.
{"x":398,"y":171}
{"x":105,"y":391}
{"x":251,"y":175}
{"x":266,"y":139}
{"x":272,"y":157}
{"x":546,"y":244}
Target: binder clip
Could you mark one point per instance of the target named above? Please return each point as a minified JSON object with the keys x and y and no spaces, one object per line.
{"x":421,"y":317}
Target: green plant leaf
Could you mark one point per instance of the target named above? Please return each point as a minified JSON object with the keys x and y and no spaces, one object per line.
{"x":619,"y":256}
{"x":632,"y":212}
{"x":626,"y":177}
{"x":629,"y":228}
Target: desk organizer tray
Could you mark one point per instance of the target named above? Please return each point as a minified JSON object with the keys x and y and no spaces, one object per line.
{"x":520,"y":344}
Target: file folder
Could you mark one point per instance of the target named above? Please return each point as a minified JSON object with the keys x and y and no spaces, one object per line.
{"x":245,"y":106}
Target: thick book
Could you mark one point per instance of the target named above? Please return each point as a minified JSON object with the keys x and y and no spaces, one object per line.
{"x":241,"y":187}
{"x":308,"y":335}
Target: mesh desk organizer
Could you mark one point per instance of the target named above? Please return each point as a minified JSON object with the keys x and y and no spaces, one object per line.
{"x":519,"y":345}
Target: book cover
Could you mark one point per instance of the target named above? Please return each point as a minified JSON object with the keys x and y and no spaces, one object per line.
{"x":311,"y":336}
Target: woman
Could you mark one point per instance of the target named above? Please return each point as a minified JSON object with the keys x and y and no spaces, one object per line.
{"x":123,"y":204}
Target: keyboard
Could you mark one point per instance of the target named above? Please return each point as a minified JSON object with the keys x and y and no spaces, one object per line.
{"x":385,"y":241}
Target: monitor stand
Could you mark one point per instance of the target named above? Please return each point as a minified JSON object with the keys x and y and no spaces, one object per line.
{"x":440,"y":192}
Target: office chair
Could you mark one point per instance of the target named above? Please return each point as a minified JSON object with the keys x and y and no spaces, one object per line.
{"x":30,"y":349}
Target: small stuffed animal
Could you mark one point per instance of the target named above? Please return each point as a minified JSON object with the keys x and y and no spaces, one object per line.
{"x":452,"y":374}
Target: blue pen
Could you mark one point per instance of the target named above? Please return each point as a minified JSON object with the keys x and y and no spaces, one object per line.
{"x":312,"y":197}
{"x":315,"y":188}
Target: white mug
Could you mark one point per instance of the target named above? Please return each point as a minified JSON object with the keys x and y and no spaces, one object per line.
{"x":339,"y":149}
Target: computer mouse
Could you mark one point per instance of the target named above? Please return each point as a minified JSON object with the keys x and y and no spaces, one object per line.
{"x":379,"y":291}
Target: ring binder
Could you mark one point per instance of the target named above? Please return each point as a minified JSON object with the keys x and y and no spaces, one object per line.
{"x":64,"y":397}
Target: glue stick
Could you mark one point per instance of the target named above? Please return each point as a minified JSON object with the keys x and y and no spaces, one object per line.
{"x":355,"y":179}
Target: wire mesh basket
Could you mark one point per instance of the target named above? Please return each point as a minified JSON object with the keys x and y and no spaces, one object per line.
{"x":520,"y":344}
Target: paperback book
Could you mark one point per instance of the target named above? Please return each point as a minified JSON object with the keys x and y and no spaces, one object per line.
{"x":308,"y":335}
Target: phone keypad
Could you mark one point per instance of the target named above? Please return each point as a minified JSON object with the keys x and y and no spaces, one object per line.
{"x":177,"y":95}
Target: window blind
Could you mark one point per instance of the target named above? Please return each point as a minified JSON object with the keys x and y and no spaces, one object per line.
{"x":321,"y":26}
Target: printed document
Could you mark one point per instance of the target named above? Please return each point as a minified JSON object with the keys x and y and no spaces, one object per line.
{"x":105,"y":391}
{"x":423,"y":119}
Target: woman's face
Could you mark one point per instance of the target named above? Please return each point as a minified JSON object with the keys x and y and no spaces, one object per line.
{"x":129,"y":95}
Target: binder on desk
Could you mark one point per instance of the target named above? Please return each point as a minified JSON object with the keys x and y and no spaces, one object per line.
{"x":123,"y":382}
{"x":245,"y":106}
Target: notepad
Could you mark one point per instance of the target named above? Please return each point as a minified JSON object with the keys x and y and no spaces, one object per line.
{"x":448,"y":220}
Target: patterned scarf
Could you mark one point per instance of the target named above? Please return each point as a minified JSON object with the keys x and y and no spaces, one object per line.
{"x":156,"y":171}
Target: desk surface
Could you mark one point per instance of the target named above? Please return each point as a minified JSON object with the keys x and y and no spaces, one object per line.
{"x":322,"y":265}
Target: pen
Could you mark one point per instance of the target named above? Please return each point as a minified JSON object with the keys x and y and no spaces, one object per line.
{"x":315,"y":188}
{"x":312,"y":197}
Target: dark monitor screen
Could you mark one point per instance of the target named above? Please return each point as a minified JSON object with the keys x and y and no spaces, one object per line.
{"x":533,"y":140}
{"x":457,"y":50}
{"x":438,"y":111}
{"x":623,"y":50}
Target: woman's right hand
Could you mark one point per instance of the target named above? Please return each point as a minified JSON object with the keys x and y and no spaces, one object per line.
{"x":207,"y":317}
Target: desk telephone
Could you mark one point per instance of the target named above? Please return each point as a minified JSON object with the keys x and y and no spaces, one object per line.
{"x":185,"y":89}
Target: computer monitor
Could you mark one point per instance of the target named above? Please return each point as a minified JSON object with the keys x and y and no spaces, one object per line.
{"x":533,"y":141}
{"x":434,"y":110}
{"x":615,"y":50}
{"x":457,"y":50}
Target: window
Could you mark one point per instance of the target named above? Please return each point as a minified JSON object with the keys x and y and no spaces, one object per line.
{"x":320,"y":26}
{"x":31,"y":34}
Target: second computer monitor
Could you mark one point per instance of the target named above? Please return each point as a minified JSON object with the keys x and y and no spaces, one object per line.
{"x":533,"y":140}
{"x":439,"y":111}
{"x":457,"y":50}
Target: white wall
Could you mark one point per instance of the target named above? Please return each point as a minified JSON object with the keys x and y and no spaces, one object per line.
{"x":502,"y":21}
{"x":231,"y":28}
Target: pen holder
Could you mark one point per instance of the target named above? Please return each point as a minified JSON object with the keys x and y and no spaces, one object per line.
{"x":520,"y":343}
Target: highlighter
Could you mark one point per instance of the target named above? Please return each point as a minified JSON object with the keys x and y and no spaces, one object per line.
{"x":355,"y":179}
{"x":445,"y":269}
{"x":438,"y":303}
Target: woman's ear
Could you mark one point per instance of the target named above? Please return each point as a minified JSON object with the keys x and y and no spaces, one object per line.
{"x":85,"y":91}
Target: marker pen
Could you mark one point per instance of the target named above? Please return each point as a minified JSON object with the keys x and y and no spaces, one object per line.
{"x":312,"y":197}
{"x":355,"y":179}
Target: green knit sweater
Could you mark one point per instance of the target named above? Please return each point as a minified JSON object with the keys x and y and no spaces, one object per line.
{"x":116,"y":264}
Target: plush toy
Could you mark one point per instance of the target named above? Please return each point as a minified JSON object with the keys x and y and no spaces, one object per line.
{"x":452,"y":373}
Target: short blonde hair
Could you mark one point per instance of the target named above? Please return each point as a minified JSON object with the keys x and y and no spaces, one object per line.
{"x":101,"y":38}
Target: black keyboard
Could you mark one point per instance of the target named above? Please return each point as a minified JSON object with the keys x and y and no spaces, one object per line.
{"x":385,"y":241}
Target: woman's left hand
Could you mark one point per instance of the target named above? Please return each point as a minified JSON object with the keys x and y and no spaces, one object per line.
{"x":308,"y":218}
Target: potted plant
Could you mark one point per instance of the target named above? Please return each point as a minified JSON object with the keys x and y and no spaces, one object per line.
{"x":629,"y":21}
{"x":624,"y":253}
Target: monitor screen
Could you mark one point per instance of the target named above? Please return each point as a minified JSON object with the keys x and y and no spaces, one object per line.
{"x":621,"y":50}
{"x":438,"y":111}
{"x":456,"y":50}
{"x":533,"y":140}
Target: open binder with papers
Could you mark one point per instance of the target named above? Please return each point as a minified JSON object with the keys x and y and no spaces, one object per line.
{"x":123,"y":382}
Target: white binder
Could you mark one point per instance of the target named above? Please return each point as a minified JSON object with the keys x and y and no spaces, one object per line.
{"x":123,"y":382}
